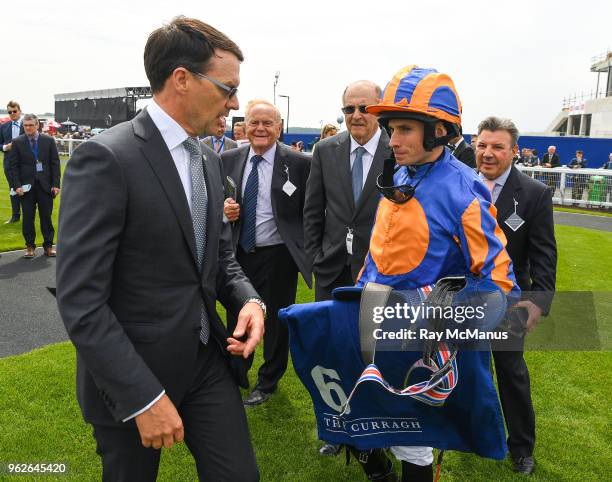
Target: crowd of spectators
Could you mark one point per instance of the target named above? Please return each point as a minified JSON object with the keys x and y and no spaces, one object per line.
{"x":529,"y":157}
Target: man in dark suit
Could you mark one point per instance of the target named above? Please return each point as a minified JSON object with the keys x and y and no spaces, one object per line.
{"x":144,"y":256}
{"x":341,"y":195}
{"x":266,"y":214}
{"x":219,"y":142}
{"x":34,"y":162}
{"x":551,"y":158}
{"x":463,"y":151}
{"x":525,"y":214}
{"x":9,"y":131}
{"x":579,"y":181}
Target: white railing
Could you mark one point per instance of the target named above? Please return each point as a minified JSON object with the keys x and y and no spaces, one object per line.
{"x":67,"y":146}
{"x":575,"y":187}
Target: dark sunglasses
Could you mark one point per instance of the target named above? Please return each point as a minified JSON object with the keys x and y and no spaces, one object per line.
{"x":350,"y":109}
{"x":230,"y":91}
{"x":12,"y":111}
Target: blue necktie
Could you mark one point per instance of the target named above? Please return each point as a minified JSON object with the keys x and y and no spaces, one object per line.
{"x":199,"y":212}
{"x":357,"y":172}
{"x":34,"y":147}
{"x":249,"y":206}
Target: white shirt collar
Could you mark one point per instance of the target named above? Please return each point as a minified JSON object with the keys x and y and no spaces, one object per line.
{"x":370,"y":146}
{"x":170,"y":130}
{"x":268,"y":155}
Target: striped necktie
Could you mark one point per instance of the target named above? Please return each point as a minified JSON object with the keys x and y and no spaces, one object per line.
{"x":249,"y":206}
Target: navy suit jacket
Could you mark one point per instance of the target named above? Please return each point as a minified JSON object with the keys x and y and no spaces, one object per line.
{"x":6,"y":136}
{"x":22,"y":164}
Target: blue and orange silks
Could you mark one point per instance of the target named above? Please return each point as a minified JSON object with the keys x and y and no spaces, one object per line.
{"x":447,"y":229}
{"x":423,"y":91}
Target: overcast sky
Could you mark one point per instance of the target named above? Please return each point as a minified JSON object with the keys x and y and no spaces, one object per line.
{"x":518,"y":60}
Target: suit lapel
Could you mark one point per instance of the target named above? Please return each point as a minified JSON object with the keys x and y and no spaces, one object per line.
{"x":343,"y":168}
{"x":158,"y":156}
{"x":279,"y":175}
{"x":510,"y":192}
{"x":242,"y":158}
{"x":375,"y":169}
{"x":459,"y":149}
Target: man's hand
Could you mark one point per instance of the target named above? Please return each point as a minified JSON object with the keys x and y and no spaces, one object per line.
{"x":8,"y":147}
{"x":19,"y":191}
{"x":231,"y":209}
{"x":534,"y":311}
{"x":55,"y":191}
{"x":251,"y":322}
{"x":160,"y":426}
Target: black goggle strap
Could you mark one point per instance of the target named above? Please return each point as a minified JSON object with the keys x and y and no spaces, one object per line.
{"x":384,"y":182}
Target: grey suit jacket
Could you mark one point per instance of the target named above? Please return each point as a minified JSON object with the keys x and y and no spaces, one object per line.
{"x":128,"y":288}
{"x":330,"y":210}
{"x":227,"y":145}
{"x":288,"y":210}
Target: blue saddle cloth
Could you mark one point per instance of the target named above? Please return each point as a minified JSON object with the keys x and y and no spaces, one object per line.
{"x":325,"y":348}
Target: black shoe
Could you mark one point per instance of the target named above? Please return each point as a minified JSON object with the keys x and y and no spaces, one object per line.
{"x":330,"y":449}
{"x":416,"y":473}
{"x":12,"y":220}
{"x":256,"y":397}
{"x":523,"y":465}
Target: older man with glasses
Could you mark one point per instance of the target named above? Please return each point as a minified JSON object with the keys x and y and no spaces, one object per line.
{"x":341,"y":196}
{"x":9,"y":131}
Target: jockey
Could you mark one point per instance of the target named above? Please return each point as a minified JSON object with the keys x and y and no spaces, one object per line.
{"x":435,"y":219}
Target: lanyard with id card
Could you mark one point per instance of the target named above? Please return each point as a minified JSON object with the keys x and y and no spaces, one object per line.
{"x":349,"y":240}
{"x":288,"y":188}
{"x":514,"y":221}
{"x":34,"y":148}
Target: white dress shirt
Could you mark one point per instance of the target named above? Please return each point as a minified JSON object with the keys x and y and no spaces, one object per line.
{"x":174,"y":136}
{"x":368,"y":156}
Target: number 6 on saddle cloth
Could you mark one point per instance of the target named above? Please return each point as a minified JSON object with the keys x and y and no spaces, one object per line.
{"x":447,"y":398}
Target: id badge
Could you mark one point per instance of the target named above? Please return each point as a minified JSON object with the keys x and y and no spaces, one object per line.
{"x":39,"y":167}
{"x":349,"y":241}
{"x":289,"y":188}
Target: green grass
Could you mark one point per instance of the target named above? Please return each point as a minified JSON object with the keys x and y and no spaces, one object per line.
{"x":40,"y":419}
{"x":10,"y":234}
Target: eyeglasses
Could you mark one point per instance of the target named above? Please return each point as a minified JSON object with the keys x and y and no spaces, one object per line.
{"x":12,"y":111}
{"x":350,"y":109}
{"x":230,"y":91}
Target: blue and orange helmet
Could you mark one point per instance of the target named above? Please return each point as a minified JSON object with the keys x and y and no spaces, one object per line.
{"x":422,"y":94}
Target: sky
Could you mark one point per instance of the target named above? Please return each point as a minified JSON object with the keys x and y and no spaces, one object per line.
{"x":517,"y":60}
